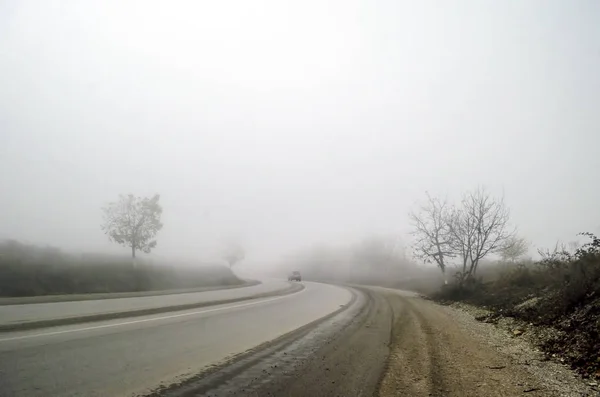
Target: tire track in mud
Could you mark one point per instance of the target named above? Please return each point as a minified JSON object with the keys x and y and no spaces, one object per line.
{"x":351,"y":363}
{"x":432,"y":356}
{"x":413,"y":356}
{"x":342,"y":354}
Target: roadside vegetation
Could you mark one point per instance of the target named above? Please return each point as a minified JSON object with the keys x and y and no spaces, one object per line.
{"x":27,"y":270}
{"x":469,"y":252}
{"x":555,"y":300}
{"x":132,"y":222}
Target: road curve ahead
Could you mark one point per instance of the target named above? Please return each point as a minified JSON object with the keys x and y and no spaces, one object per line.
{"x":133,"y":356}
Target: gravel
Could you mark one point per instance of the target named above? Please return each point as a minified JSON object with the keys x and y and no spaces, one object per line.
{"x":557,"y":377}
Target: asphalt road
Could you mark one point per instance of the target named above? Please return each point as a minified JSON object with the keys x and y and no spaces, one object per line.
{"x":134,"y":356}
{"x":10,"y":314}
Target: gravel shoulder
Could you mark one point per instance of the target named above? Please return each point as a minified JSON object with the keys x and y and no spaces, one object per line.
{"x":443,"y":351}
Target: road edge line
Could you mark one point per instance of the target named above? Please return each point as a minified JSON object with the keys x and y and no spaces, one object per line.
{"x":32,"y":300}
{"x":31,"y":325}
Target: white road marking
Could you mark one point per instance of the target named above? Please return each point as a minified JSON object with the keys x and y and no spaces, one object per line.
{"x":148,"y":319}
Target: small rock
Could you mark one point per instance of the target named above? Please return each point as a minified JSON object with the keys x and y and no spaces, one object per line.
{"x":517,"y":332}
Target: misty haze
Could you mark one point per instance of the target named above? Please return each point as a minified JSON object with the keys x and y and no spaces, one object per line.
{"x":299,"y":198}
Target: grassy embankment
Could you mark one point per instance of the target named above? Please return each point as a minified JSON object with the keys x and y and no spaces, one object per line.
{"x":27,"y":270}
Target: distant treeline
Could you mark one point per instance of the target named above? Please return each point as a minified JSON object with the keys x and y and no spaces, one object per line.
{"x":27,"y":270}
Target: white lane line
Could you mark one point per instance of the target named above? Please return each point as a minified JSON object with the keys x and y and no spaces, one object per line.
{"x":148,"y":319}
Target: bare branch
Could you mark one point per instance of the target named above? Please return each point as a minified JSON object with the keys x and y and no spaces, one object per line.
{"x":431,"y":233}
{"x":479,"y":227}
{"x":513,"y":249}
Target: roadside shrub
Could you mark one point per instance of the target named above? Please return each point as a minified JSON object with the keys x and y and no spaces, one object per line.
{"x":520,"y":276}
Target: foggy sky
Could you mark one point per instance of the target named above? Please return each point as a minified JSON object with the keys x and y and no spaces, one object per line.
{"x":288,"y":123}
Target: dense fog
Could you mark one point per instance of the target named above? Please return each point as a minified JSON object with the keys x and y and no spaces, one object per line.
{"x":293,"y":128}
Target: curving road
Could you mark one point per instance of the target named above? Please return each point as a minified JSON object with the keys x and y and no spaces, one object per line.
{"x":10,"y":314}
{"x":134,"y":356}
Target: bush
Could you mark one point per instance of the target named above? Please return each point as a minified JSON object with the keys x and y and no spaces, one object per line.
{"x":27,"y":270}
{"x":561,"y":292}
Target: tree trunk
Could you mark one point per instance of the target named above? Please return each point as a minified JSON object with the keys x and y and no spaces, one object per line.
{"x":136,"y":272}
{"x":133,"y":258}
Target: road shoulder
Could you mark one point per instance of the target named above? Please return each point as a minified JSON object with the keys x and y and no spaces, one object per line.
{"x":441,"y":351}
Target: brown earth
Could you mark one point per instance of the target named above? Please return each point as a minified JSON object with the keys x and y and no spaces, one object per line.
{"x":441,"y":351}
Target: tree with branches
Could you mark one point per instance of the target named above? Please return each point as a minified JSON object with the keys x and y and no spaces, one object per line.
{"x":513,"y":249}
{"x":476,"y":228}
{"x":432,"y":234}
{"x":133,"y":222}
{"x":233,"y":253}
{"x":480,"y":226}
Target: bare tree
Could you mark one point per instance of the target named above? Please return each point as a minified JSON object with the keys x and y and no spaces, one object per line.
{"x":433,"y":240}
{"x":477,"y":228}
{"x":378,"y":252}
{"x":513,"y":249}
{"x":133,"y":222}
{"x":233,"y":253}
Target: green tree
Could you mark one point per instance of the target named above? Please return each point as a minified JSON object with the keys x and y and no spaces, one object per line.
{"x":133,"y":222}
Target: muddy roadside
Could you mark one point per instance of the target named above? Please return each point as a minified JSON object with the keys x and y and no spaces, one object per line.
{"x":444,"y":351}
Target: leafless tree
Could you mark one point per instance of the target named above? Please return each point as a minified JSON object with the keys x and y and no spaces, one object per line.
{"x":513,"y":249}
{"x":478,"y":227}
{"x":378,"y":252}
{"x":433,"y":240}
{"x":233,"y":253}
{"x":556,"y":257}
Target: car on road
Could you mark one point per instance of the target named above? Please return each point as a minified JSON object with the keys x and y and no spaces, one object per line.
{"x":295,"y":276}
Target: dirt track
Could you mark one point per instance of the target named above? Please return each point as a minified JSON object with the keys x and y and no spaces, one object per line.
{"x":433,"y":356}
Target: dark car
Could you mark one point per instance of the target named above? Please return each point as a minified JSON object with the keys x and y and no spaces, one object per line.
{"x":295,"y":276}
